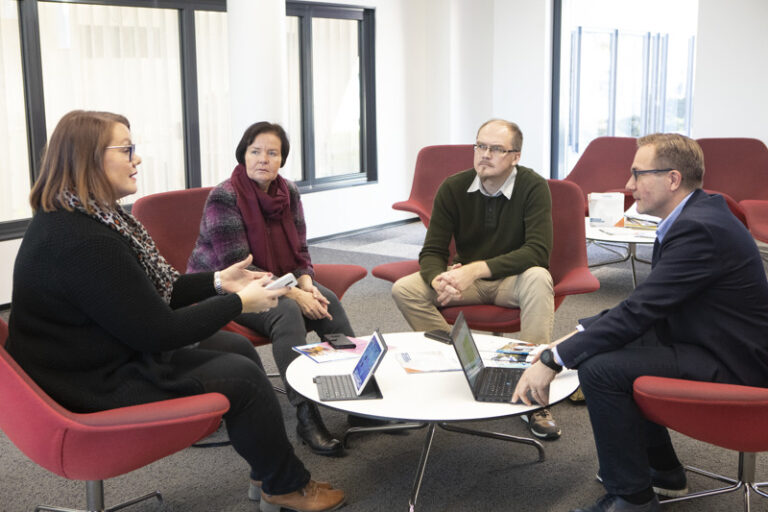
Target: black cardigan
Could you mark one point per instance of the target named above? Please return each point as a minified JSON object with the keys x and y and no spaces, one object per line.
{"x":88,"y":325}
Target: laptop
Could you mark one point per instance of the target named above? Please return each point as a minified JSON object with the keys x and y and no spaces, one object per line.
{"x":360,"y":384}
{"x":488,"y":384}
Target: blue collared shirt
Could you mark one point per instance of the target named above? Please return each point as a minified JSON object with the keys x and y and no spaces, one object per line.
{"x":665,"y":224}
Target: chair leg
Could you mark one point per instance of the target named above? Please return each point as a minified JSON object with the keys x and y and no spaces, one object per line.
{"x":746,"y":480}
{"x":94,"y":496}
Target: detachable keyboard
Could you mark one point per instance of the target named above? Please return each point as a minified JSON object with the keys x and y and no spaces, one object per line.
{"x":335,"y":387}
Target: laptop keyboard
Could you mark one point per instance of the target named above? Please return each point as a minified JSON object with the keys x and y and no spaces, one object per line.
{"x":498,"y":385}
{"x":335,"y":387}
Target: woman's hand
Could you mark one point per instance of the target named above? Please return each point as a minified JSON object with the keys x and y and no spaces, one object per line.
{"x":256,"y":298}
{"x":311,"y":306}
{"x":236,"y":277}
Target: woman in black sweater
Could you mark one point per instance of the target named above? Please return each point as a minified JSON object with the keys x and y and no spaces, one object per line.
{"x":100,"y":320}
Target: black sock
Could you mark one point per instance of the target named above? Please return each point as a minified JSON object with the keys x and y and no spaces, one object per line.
{"x":663,"y":457}
{"x":639,"y":498}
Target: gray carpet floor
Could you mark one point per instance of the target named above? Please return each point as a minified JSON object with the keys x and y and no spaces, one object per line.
{"x":463,"y":473}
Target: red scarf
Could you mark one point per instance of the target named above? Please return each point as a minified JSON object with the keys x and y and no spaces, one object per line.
{"x":269,"y":225}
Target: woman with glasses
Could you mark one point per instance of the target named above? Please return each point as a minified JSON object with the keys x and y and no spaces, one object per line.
{"x":257,"y":211}
{"x":100,"y":320}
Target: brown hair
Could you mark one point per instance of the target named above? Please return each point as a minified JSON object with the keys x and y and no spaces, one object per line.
{"x":517,"y":134}
{"x":675,"y":151}
{"x":257,"y":129}
{"x":74,"y":160}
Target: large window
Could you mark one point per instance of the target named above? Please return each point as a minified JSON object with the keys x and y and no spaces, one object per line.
{"x":331,"y":95}
{"x":124,"y":60}
{"x":137,"y":58}
{"x":624,"y":71}
{"x":14,"y":156}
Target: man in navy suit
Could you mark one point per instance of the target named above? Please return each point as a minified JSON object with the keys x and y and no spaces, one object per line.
{"x":702,"y":314}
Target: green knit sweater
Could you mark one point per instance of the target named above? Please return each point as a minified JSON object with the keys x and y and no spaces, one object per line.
{"x":511,"y":235}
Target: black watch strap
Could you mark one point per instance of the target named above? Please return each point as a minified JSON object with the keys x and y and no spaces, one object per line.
{"x":548,"y":359}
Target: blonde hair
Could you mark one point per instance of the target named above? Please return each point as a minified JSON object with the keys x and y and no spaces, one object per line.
{"x":74,"y":160}
{"x":675,"y":151}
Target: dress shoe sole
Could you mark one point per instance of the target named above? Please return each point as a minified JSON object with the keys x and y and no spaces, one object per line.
{"x":265,"y":506}
{"x":325,"y":453}
{"x":661,"y":491}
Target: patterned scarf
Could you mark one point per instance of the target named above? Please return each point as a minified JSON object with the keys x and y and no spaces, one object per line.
{"x":157,"y":269}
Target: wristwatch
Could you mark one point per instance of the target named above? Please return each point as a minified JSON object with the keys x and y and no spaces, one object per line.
{"x":548,"y":359}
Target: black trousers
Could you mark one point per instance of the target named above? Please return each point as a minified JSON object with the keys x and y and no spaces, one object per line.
{"x":622,"y":435}
{"x":287,"y":327}
{"x":227,"y":363}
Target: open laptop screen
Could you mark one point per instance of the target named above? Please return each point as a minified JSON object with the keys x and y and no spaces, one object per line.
{"x":368,"y":362}
{"x":469,"y":356}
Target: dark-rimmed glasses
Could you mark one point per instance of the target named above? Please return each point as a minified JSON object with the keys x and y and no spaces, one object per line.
{"x":636,"y":174}
{"x":130,"y":147}
{"x":495,"y":150}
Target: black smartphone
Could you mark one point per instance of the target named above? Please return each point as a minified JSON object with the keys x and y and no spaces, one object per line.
{"x":439,"y":335}
{"x":338,"y":340}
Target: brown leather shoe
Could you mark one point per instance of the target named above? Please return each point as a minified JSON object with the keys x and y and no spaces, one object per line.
{"x":312,"y":498}
{"x":254,"y":490}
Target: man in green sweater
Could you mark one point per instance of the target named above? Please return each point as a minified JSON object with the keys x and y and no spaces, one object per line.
{"x":500,"y":216}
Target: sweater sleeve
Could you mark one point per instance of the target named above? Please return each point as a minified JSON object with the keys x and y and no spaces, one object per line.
{"x":222,"y":241}
{"x":434,"y":255}
{"x":105,"y":281}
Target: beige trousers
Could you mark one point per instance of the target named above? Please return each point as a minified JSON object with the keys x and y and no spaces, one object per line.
{"x":763,"y":247}
{"x":530,"y":291}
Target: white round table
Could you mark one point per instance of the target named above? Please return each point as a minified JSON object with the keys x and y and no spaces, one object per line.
{"x":621,"y":235}
{"x":430,"y":399}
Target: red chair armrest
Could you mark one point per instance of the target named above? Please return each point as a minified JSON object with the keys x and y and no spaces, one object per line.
{"x":338,"y":278}
{"x":412,"y":206}
{"x":577,"y":280}
{"x":756,"y":213}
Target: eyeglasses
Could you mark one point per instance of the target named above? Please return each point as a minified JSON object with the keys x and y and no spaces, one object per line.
{"x":495,"y":150}
{"x":130,"y":149}
{"x":636,"y":174}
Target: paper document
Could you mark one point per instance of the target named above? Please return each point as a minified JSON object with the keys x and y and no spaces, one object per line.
{"x":430,"y":361}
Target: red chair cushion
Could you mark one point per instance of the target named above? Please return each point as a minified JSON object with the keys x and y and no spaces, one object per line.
{"x":727,"y":415}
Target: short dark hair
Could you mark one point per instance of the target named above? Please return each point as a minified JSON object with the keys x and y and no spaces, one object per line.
{"x":257,"y":129}
{"x":675,"y":151}
{"x":74,"y":161}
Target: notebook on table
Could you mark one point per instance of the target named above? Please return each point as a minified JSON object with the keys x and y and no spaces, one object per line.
{"x":488,"y":384}
{"x":360,"y":384}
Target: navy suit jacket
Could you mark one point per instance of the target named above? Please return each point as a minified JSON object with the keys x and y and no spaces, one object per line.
{"x":706,"y":296}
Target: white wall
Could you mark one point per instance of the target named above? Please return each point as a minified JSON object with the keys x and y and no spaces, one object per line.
{"x":729,"y":97}
{"x":445,"y":66}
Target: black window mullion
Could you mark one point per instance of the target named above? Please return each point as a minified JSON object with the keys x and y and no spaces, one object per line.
{"x":32,"y":71}
{"x":307,"y":99}
{"x":190,"y":97}
{"x":368,"y":101}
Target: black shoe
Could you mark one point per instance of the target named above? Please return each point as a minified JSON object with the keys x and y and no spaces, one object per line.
{"x":613,"y":503}
{"x":313,"y":433}
{"x":670,"y":483}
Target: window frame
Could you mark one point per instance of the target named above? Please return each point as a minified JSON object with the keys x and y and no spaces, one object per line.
{"x":306,"y":11}
{"x":32,"y":75}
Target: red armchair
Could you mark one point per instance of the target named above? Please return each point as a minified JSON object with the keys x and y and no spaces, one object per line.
{"x":604,"y":167}
{"x":726,"y":415}
{"x":96,"y":446}
{"x":567,"y":264}
{"x":173,"y":221}
{"x":433,"y":165}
